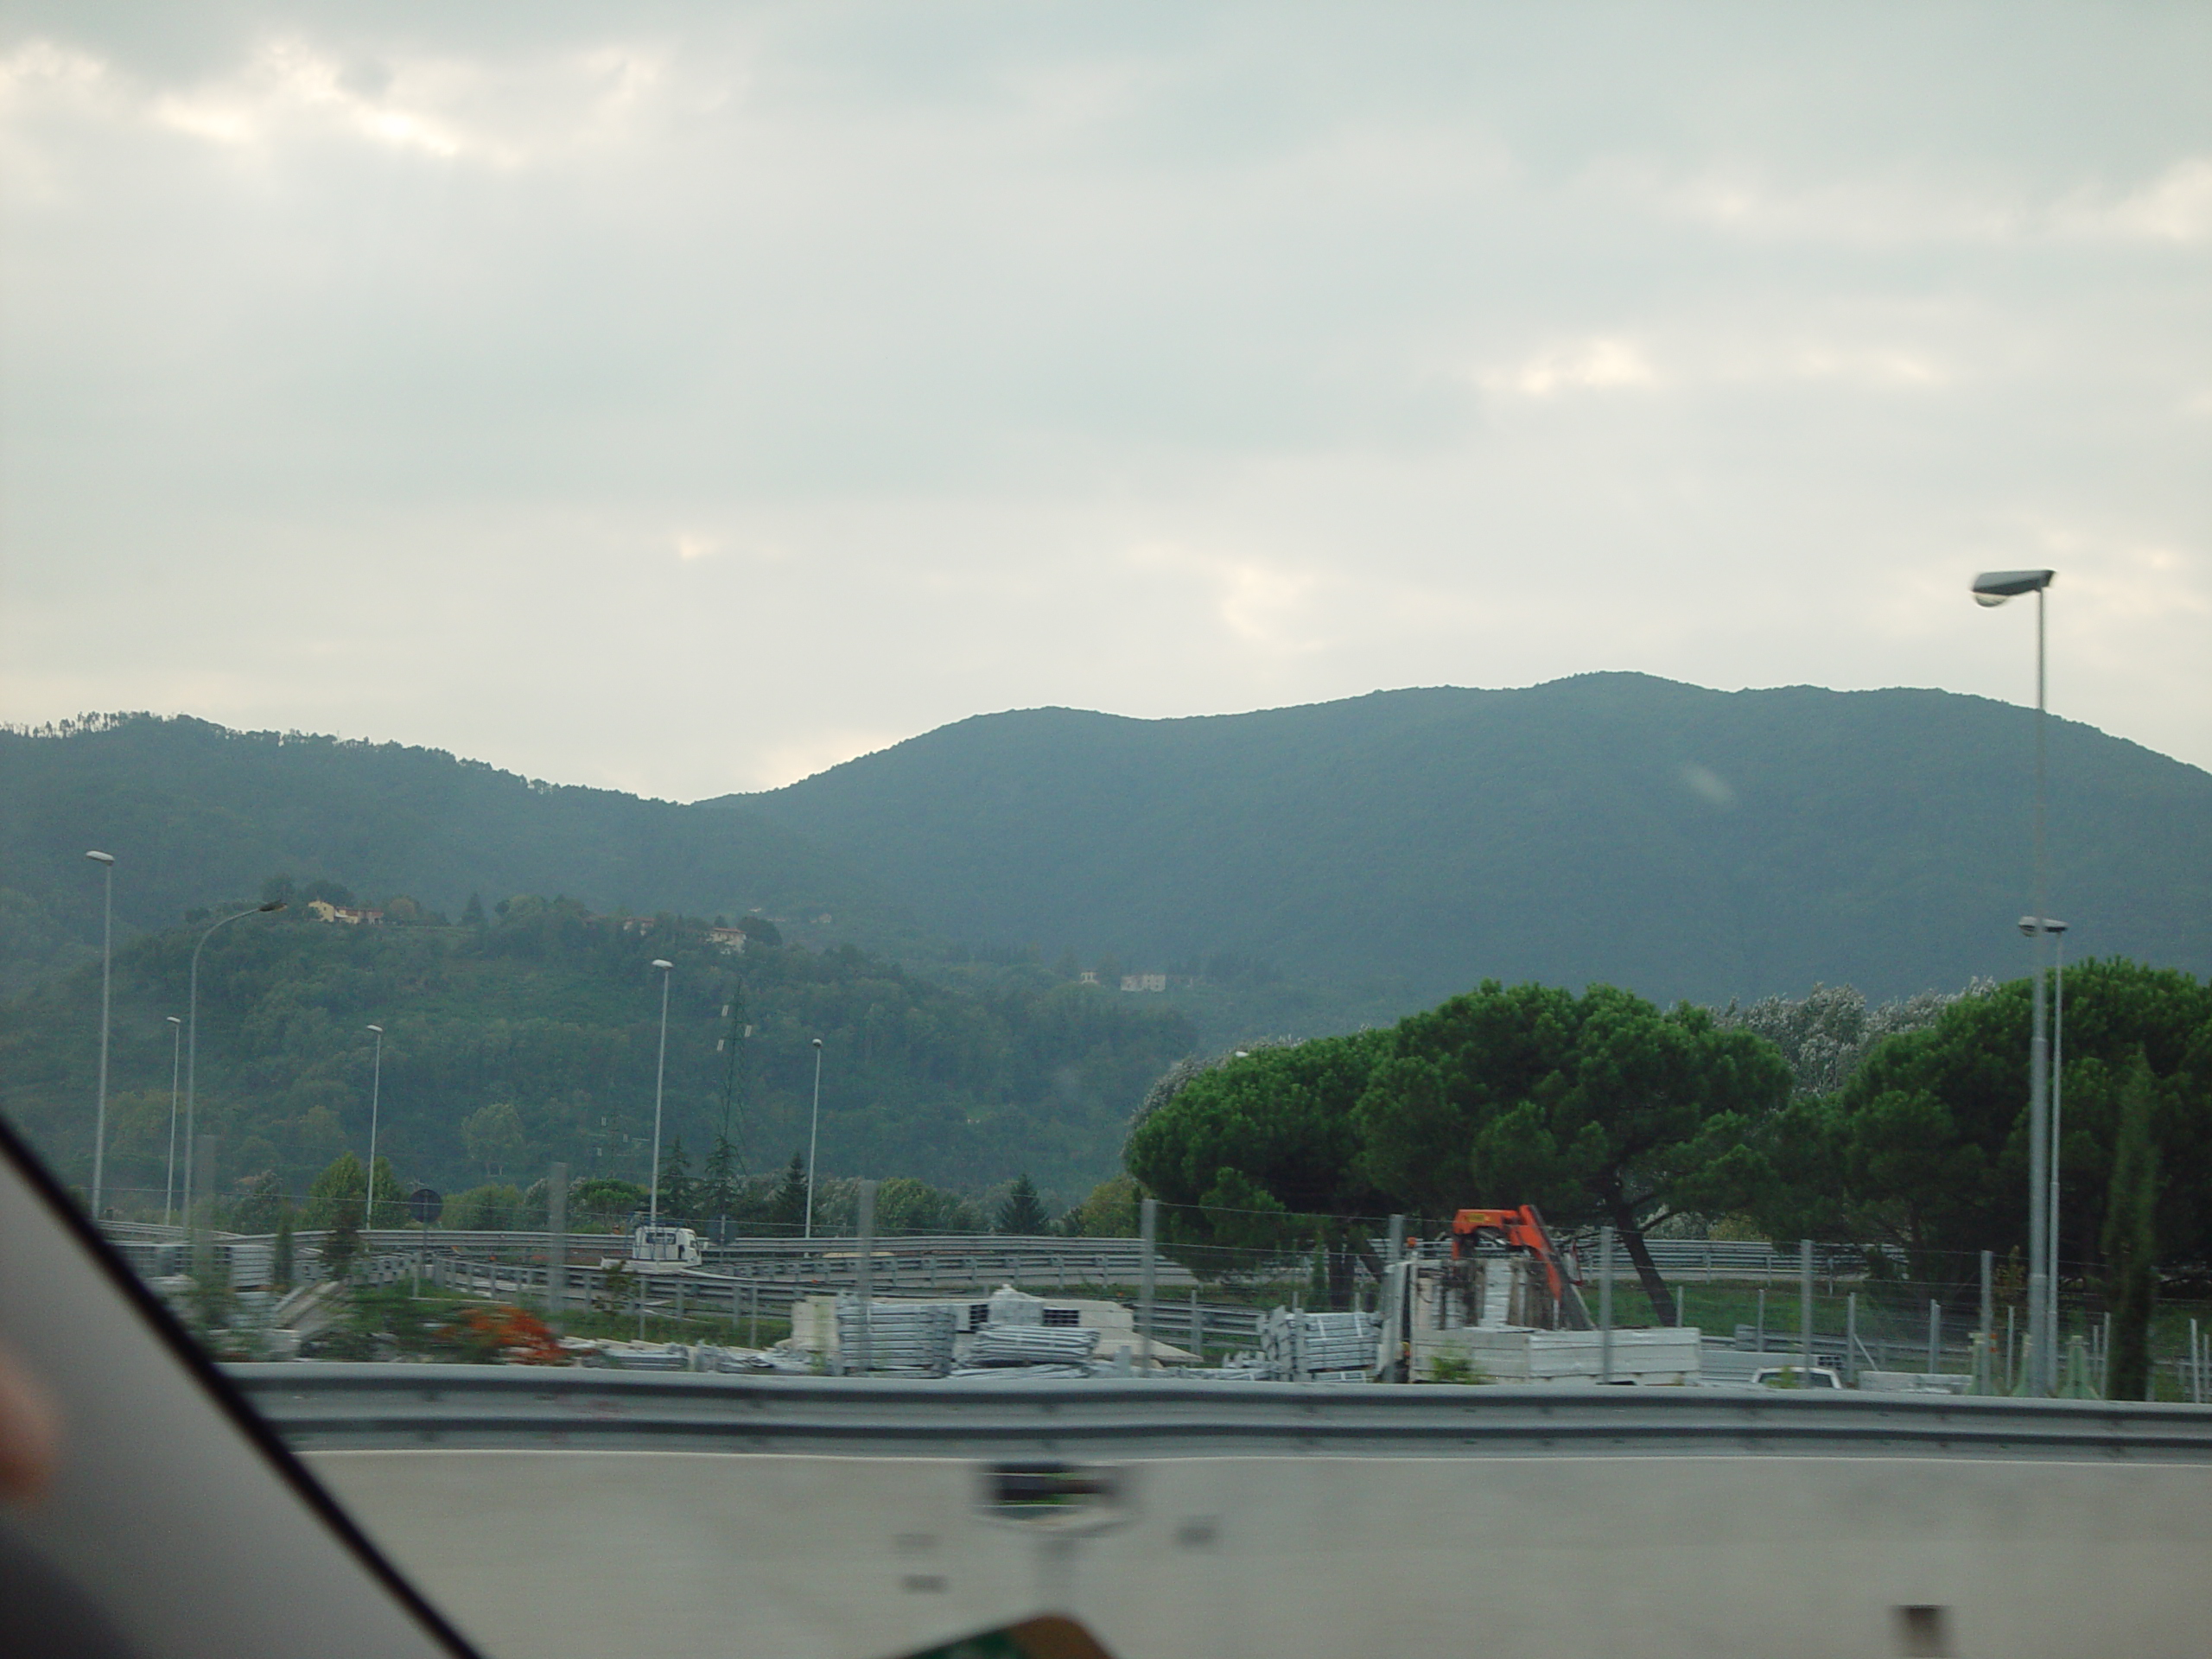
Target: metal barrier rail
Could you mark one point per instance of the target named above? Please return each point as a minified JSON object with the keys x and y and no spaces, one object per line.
{"x":329,"y":1408}
{"x":1694,"y":1261}
{"x":905,"y":1263}
{"x":1027,"y":1258}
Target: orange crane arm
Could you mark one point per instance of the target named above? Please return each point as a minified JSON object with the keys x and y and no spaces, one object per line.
{"x":1522,"y":1229}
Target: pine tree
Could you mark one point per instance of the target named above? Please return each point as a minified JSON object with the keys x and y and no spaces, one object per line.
{"x":2130,"y":1244}
{"x":1023,"y":1212}
{"x":473,"y":915}
{"x":342,"y":1183}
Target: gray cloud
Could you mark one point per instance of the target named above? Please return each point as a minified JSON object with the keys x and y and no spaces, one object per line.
{"x":685,"y":398}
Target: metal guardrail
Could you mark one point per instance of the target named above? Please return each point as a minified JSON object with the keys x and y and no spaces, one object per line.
{"x":1693,"y":1261}
{"x":904,"y":1265}
{"x":1028,"y":1260}
{"x":328,"y":1408}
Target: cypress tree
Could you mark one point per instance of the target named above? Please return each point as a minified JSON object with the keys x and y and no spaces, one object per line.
{"x":676,"y":1183}
{"x":720,"y":1196}
{"x":342,"y":1243}
{"x":788,"y":1208}
{"x":2130,"y":1244}
{"x":280,"y":1255}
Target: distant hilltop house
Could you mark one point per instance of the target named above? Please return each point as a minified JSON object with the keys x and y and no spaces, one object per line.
{"x":731,"y":939}
{"x":323,"y":910}
{"x":1144,"y":982}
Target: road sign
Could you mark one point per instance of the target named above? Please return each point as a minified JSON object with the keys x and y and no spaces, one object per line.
{"x":425,"y":1205}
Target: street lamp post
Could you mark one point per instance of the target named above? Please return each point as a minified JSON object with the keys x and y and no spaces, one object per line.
{"x":375,"y":1094}
{"x":106,"y":861}
{"x":2057,"y":929}
{"x":176,"y":1075}
{"x":192,"y":1039}
{"x":1994,"y":588}
{"x":813,"y":1138}
{"x":660,"y":1075}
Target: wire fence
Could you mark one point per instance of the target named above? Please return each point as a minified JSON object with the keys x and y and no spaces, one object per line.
{"x":1875,"y":1317}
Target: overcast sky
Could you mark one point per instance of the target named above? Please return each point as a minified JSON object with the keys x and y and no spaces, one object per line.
{"x":687,"y":398}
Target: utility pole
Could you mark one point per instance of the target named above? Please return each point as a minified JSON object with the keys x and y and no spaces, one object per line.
{"x":106,"y":861}
{"x":1604,"y":1304}
{"x":1148,"y":1230}
{"x":734,"y":1074}
{"x":376,"y":1098}
{"x":814,"y":1138}
{"x":660,"y":1079}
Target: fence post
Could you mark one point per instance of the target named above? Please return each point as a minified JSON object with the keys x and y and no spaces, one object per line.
{"x":1605,"y":1305}
{"x":865,"y":1280}
{"x":1197,"y":1328}
{"x":1934,"y":1333}
{"x":1149,"y":1231}
{"x":200,"y":1215}
{"x":1762,"y":1327}
{"x":1805,"y":1303}
{"x":1851,"y":1339}
{"x":1983,"y":1357}
{"x":556,"y":1244}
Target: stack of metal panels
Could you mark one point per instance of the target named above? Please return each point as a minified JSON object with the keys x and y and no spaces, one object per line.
{"x":1024,"y":1373}
{"x":643,"y":1356}
{"x":1032,"y":1345}
{"x":903,"y":1339}
{"x":1318,"y":1347}
{"x":707,"y":1357}
{"x":1249,"y":1368}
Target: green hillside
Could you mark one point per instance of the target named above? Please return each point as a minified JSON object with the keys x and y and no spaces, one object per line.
{"x":1295,"y":871}
{"x":1397,"y":848}
{"x":192,"y":810}
{"x":557,"y":1015}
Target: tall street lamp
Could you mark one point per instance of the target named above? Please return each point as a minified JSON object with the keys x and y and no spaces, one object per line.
{"x":813,"y":1138}
{"x":1994,"y":588}
{"x":2057,"y":929}
{"x":176,"y":1074}
{"x":192,"y":1039}
{"x":375,"y":1091}
{"x":106,"y":861}
{"x":660,"y":1075}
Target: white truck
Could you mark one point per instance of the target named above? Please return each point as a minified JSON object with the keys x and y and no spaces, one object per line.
{"x":671,"y":1246}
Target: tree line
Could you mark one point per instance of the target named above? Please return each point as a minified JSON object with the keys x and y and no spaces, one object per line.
{"x":759,"y":1206}
{"x":529,"y":1034}
{"x":1904,"y":1128}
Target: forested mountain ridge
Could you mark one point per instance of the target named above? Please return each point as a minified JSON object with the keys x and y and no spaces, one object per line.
{"x":1293,"y":871}
{"x":192,"y":810}
{"x":1682,"y":841}
{"x":557,"y":1014}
